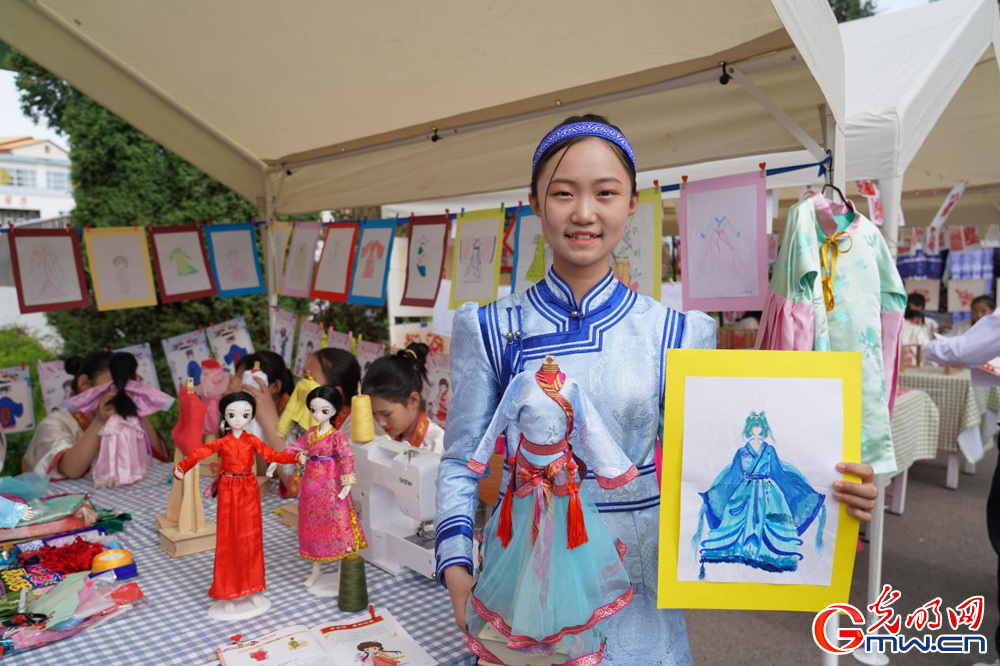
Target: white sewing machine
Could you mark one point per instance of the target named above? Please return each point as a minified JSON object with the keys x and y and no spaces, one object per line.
{"x":395,"y":499}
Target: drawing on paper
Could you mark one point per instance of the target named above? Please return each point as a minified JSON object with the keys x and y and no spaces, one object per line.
{"x":121,"y":274}
{"x":475,"y":253}
{"x":47,"y":273}
{"x":370,"y":251}
{"x":536,"y":271}
{"x":720,"y":255}
{"x":758,"y":508}
{"x":182,"y":261}
{"x":421,"y":253}
{"x":374,"y":653}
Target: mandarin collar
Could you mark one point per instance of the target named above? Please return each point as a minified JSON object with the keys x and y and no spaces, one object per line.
{"x":562,"y":293}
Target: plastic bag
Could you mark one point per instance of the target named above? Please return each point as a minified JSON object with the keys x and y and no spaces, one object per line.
{"x":27,"y":486}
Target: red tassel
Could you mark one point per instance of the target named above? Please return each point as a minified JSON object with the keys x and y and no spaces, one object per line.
{"x":575,"y":525}
{"x":505,"y":525}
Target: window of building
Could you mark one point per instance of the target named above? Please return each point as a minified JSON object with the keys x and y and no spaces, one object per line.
{"x":57,"y":180}
{"x":16,"y":216}
{"x":17,"y":177}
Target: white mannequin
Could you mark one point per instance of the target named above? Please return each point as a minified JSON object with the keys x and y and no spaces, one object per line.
{"x":238,"y":415}
{"x":323,"y":412}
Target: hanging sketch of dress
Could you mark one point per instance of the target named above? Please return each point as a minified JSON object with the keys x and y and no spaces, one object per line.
{"x":121,"y":273}
{"x":10,"y":412}
{"x":622,"y":257}
{"x":720,"y":255}
{"x":237,"y":274}
{"x":371,"y":251}
{"x":474,"y":255}
{"x":422,"y":258}
{"x":757,"y":508}
{"x":180,"y":257}
{"x":47,"y":273}
{"x":537,"y":269}
{"x":299,"y":267}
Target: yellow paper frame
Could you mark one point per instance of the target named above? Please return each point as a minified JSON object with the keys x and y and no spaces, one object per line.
{"x":684,"y":363}
{"x":654,"y":195}
{"x":476,"y":216}
{"x":104,"y":303}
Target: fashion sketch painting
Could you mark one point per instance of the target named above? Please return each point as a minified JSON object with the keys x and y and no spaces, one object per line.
{"x":637,"y":260}
{"x":181,"y":263}
{"x":232,"y":251}
{"x":723,"y":225}
{"x":371,"y":262}
{"x":48,"y":270}
{"x":428,"y":242}
{"x":230,"y":341}
{"x":119,"y":267}
{"x":332,"y":281}
{"x":56,"y":383}
{"x":185,"y":354}
{"x":310,"y":340}
{"x":476,"y":259}
{"x":283,"y":333}
{"x":753,"y":492}
{"x":17,"y":410}
{"x":296,"y":279}
{"x":532,"y":255}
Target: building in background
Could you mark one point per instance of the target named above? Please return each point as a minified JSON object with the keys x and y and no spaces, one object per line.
{"x":34,"y":180}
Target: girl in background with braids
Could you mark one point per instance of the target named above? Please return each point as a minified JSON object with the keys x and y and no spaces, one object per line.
{"x":395,"y":384}
{"x":65,"y":444}
{"x":125,"y":447}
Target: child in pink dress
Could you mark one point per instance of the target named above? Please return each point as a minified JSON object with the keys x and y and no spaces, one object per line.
{"x":125,"y":450}
{"x":328,"y":526}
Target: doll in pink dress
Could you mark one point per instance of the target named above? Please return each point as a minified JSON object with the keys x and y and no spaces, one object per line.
{"x":328,"y":526}
{"x":214,"y":384}
{"x":125,"y":449}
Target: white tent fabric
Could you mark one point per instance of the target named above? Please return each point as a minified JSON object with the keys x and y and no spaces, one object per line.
{"x":317,"y":105}
{"x":924,"y":90}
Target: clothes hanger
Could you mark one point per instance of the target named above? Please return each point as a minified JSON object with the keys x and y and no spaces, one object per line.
{"x":836,"y":189}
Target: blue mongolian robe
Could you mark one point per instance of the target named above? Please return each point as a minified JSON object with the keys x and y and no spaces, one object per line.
{"x":613,"y":342}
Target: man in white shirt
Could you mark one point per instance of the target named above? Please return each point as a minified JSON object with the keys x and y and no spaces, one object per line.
{"x":981,"y":306}
{"x":979,"y":345}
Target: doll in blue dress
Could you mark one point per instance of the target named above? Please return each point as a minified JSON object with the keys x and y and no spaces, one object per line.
{"x":758,"y":508}
{"x":551,"y":573}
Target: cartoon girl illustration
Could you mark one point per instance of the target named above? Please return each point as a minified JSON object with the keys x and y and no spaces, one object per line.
{"x":180,"y":257}
{"x":758,"y":507}
{"x":441,"y":404}
{"x":372,"y":652}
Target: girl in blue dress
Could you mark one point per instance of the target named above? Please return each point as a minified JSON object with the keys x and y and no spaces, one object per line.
{"x":610,"y":340}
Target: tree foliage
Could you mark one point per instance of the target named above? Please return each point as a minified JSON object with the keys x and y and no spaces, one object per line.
{"x":848,"y":10}
{"x":18,"y":347}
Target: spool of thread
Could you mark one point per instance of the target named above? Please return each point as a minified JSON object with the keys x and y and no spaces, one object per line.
{"x":362,"y":423}
{"x":110,"y":559}
{"x":353,"y":595}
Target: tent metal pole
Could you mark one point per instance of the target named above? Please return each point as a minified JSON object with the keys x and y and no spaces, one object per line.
{"x":891,"y":190}
{"x":786,"y":121}
{"x":270,"y":252}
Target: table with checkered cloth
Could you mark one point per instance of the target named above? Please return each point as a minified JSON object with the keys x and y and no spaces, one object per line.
{"x":175,"y":628}
{"x":915,"y":423}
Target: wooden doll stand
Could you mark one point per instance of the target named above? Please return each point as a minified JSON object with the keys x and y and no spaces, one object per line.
{"x":290,"y":515}
{"x":183,"y":528}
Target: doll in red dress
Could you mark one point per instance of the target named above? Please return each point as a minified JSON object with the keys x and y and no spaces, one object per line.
{"x":239,"y":551}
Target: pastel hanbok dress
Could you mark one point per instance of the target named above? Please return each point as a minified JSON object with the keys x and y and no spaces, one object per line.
{"x":757,"y":510}
{"x":328,"y":526}
{"x":551,"y":573}
{"x":125,"y":449}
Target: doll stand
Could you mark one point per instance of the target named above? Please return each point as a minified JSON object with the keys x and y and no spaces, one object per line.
{"x":327,"y":585}
{"x":497,"y":644}
{"x":290,"y":515}
{"x":243,"y":609}
{"x":183,"y":528}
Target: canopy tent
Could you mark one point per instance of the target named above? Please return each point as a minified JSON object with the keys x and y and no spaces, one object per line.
{"x":306,"y":106}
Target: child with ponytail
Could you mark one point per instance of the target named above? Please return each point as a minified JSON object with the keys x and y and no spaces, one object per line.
{"x":395,"y":384}
{"x":125,"y":447}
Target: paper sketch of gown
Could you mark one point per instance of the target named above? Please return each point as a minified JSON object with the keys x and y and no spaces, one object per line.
{"x":370,"y":252}
{"x":47,"y":273}
{"x":422,"y":258}
{"x":622,"y":257}
{"x":237,"y":274}
{"x":298,"y":276}
{"x":474,"y":262}
{"x":180,"y":257}
{"x":121,"y":273}
{"x":758,"y":508}
{"x":537,"y":269}
{"x":720,"y":256}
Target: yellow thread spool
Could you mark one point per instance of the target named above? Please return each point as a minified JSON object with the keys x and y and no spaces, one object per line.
{"x":110,"y":559}
{"x":362,"y":421}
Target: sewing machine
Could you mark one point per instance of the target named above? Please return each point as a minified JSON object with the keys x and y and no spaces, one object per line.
{"x":395,"y":499}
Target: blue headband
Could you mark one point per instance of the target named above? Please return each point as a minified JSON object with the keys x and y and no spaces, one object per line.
{"x":586,"y":128}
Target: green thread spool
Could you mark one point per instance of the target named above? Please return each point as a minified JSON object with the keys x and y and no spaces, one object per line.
{"x":353,"y":595}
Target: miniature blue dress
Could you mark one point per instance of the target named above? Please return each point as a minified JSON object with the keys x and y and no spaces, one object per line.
{"x":757,"y":509}
{"x":613,"y":342}
{"x":551,"y":573}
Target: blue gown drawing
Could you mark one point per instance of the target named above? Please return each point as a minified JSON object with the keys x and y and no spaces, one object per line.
{"x":235,"y":354}
{"x":194,"y":372}
{"x":614,"y":343}
{"x":10,"y":412}
{"x":554,"y":575}
{"x":758,"y":508}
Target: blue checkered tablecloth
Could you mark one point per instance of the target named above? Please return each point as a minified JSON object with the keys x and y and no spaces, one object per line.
{"x":175,"y":628}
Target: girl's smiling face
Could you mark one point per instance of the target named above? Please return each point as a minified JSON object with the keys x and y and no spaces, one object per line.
{"x":584,"y":201}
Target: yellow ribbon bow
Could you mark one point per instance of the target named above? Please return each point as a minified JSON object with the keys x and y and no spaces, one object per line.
{"x":828,"y":259}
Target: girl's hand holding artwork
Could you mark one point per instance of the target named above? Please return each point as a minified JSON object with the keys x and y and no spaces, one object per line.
{"x":859,"y":497}
{"x":459,"y":582}
{"x":344,"y":492}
